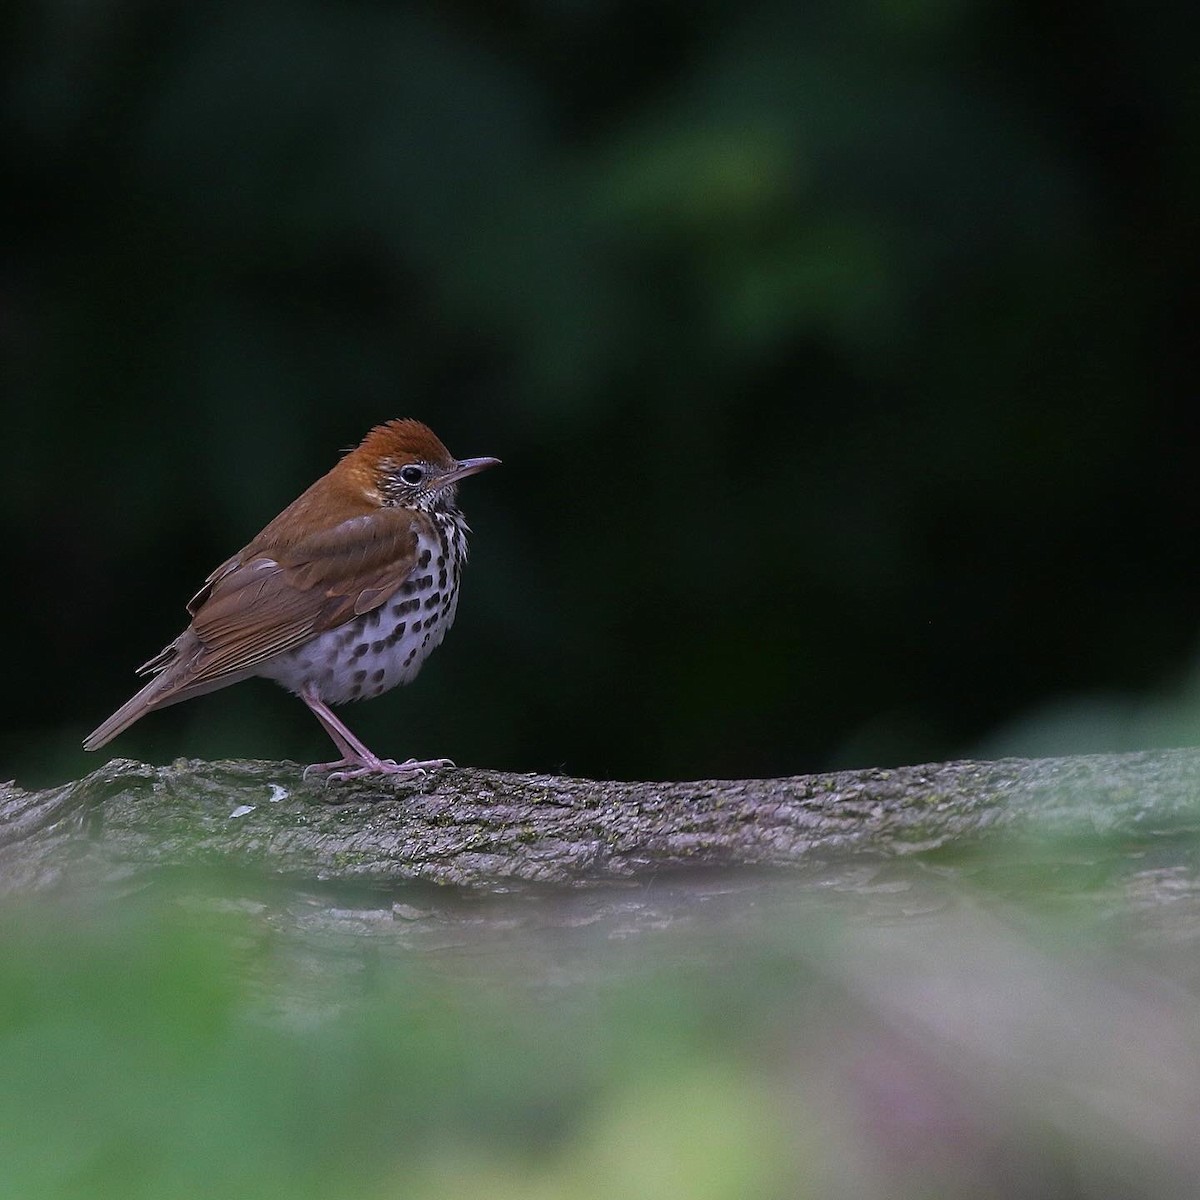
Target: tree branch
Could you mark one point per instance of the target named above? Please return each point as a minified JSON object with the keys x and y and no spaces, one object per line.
{"x":479,"y":829}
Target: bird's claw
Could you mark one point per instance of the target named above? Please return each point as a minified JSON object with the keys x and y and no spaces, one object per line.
{"x":358,"y":768}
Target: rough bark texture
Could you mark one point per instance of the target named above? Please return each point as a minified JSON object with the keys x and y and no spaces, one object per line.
{"x":485,"y":829}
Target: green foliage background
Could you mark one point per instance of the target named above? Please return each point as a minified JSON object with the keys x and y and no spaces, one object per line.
{"x":836,"y":355}
{"x":1023,"y":1026}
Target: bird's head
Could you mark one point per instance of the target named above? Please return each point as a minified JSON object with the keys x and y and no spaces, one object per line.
{"x":410,"y":467}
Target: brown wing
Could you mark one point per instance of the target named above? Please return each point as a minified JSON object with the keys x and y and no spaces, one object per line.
{"x":269,"y":600}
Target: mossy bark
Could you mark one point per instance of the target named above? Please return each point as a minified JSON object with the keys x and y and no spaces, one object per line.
{"x":486,"y":829}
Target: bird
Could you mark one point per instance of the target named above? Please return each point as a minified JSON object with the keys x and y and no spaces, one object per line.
{"x":341,"y":597}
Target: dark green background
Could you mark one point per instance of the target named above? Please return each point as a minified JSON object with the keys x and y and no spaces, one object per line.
{"x":839,"y":357}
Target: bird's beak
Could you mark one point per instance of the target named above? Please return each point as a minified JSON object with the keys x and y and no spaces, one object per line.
{"x":465,"y":467}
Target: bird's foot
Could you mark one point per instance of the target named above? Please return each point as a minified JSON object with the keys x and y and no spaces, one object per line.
{"x":363,"y":765}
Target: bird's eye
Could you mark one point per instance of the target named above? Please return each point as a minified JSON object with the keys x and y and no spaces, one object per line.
{"x":411,"y":475}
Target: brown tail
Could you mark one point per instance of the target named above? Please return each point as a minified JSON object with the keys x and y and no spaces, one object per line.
{"x":148,"y":699}
{"x":175,"y":666}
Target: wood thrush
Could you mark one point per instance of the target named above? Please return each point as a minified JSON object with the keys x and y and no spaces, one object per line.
{"x":341,"y":597}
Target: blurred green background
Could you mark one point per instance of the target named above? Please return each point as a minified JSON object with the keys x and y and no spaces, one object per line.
{"x":898,"y":1033}
{"x":836,"y":355}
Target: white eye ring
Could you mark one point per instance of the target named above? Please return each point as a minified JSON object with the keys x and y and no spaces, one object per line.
{"x":411,"y":475}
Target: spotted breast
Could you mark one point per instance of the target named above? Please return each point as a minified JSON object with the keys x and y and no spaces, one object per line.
{"x":386,"y":646}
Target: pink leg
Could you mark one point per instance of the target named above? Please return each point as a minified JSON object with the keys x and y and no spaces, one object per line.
{"x":356,"y":759}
